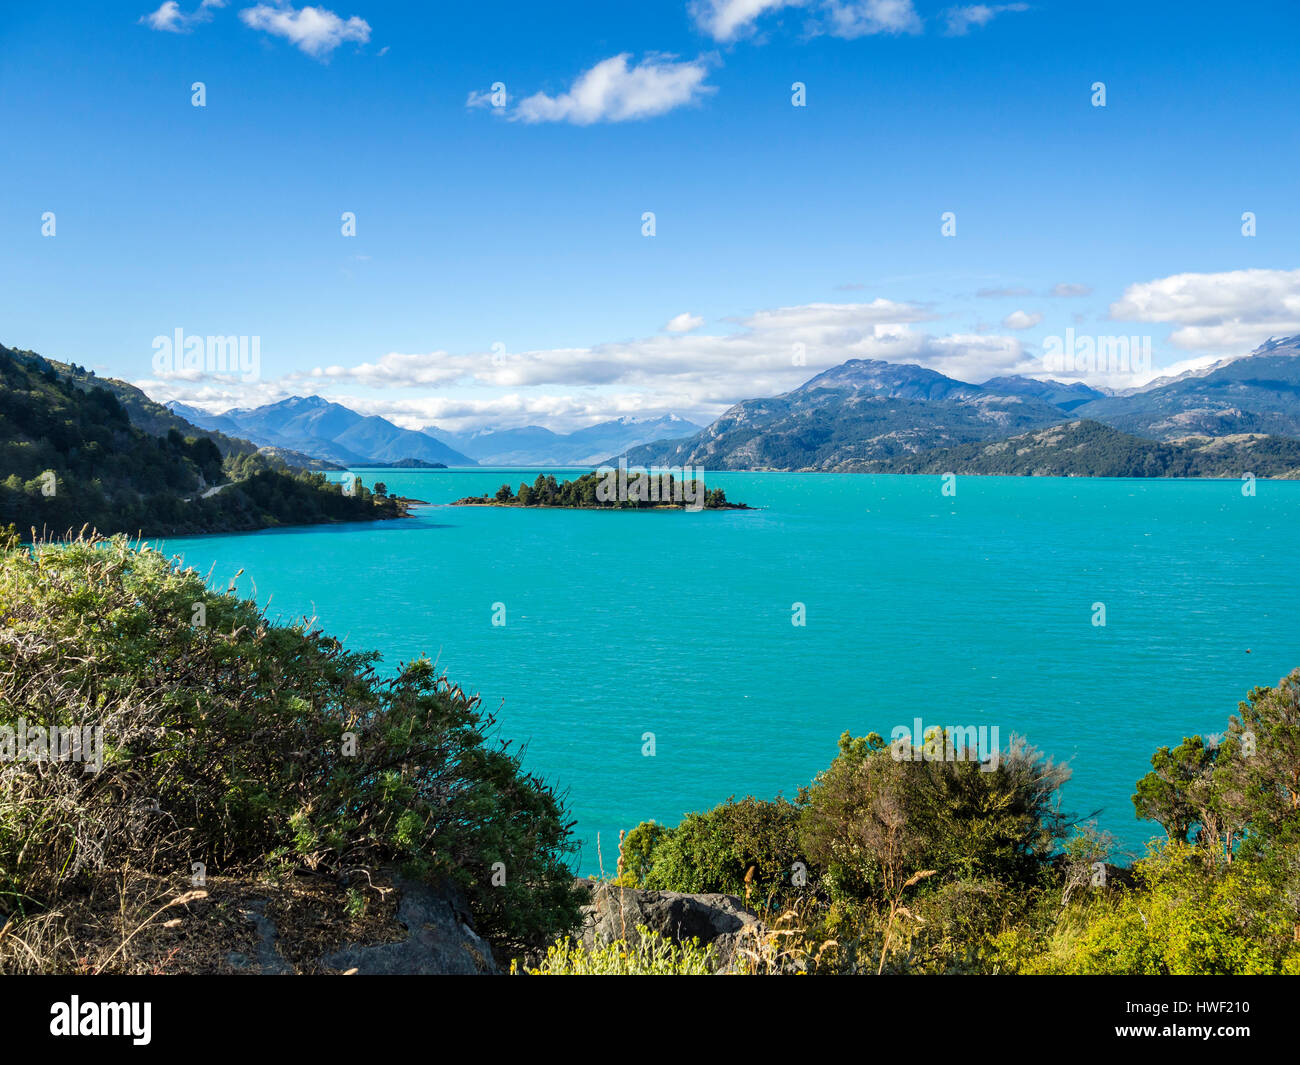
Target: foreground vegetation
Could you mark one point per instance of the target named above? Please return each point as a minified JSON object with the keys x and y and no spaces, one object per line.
{"x":244,"y":748}
{"x":248,"y":747}
{"x":896,"y":866}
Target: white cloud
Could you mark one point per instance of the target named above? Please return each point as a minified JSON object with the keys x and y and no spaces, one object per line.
{"x":314,"y":30}
{"x":695,"y":376}
{"x":684,"y":323}
{"x":169,"y":17}
{"x":727,"y":20}
{"x":703,"y":372}
{"x":611,"y":91}
{"x":1228,"y":313}
{"x":1021,"y":320}
{"x":962,"y":19}
{"x":862,"y":18}
{"x":762,"y":353}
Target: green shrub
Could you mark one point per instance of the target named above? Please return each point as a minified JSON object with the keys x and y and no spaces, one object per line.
{"x":244,"y":745}
{"x":714,"y":851}
{"x":647,"y":954}
{"x":1186,"y":916}
{"x":873,"y":821}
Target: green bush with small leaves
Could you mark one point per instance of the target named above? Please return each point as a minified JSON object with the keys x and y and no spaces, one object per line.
{"x":248,"y":745}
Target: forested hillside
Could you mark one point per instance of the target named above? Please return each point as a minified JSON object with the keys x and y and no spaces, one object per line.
{"x":1089,"y":449}
{"x":70,"y":456}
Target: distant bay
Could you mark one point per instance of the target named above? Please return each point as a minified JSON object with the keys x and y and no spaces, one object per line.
{"x":972,"y":609}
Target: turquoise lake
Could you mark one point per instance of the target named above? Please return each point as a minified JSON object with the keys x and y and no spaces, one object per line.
{"x":973,"y":609}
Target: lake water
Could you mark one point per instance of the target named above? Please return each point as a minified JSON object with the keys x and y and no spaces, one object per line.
{"x":974,"y":609}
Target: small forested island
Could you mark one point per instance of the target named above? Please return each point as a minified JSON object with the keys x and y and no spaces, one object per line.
{"x":610,"y":490}
{"x":406,"y":464}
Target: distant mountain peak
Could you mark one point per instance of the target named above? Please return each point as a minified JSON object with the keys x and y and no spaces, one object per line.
{"x":303,"y":402}
{"x":1272,"y":344}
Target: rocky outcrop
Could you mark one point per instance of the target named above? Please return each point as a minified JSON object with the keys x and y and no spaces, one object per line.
{"x":720,"y":922}
{"x":432,"y":934}
{"x":441,"y":940}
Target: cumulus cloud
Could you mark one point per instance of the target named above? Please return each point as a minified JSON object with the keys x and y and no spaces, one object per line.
{"x":169,"y":18}
{"x":770,"y":351}
{"x":729,"y":20}
{"x":863,"y":18}
{"x":683,"y":323}
{"x":614,"y":91}
{"x":1021,"y":320}
{"x":1227,"y":313}
{"x":695,"y":375}
{"x":961,"y":20}
{"x":1002,"y":293}
{"x":725,"y":20}
{"x":764,"y":352}
{"x":314,"y":30}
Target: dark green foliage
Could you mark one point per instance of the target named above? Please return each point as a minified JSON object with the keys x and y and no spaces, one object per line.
{"x":644,"y":490}
{"x":1178,"y":792}
{"x":748,"y":848}
{"x":1239,"y":789}
{"x":872,"y":821}
{"x":71,"y":457}
{"x":864,"y":826}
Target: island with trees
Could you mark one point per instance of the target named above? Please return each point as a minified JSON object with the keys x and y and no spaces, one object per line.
{"x":607,"y":490}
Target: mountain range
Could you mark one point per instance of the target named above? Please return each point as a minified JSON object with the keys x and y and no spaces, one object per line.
{"x":331,"y":432}
{"x":534,"y":445}
{"x":868,"y":414}
{"x":325,"y":430}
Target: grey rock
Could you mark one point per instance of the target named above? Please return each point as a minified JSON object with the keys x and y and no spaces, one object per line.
{"x":721,"y":922}
{"x":268,"y":961}
{"x":442,"y":940}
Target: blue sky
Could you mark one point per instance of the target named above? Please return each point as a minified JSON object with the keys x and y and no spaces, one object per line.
{"x":499,"y":273}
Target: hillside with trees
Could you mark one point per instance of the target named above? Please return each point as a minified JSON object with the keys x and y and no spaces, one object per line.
{"x":71,"y":456}
{"x":1089,"y":449}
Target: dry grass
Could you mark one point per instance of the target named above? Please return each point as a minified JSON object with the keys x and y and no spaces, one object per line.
{"x":136,"y":924}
